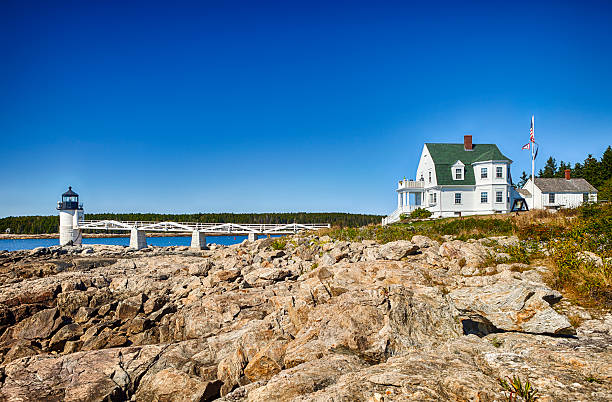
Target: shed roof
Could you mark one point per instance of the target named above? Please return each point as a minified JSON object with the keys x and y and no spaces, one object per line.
{"x":561,"y":185}
{"x":524,"y":192}
{"x":445,"y":155}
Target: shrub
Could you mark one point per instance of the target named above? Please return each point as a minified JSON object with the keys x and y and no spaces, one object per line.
{"x":519,"y":253}
{"x":420,"y":213}
{"x":279,"y":244}
{"x":539,"y":231}
{"x":578,"y":275}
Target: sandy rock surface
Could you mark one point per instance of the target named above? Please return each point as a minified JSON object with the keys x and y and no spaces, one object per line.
{"x":319,"y":320}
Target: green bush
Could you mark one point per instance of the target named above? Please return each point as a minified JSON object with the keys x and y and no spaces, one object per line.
{"x":420,"y":213}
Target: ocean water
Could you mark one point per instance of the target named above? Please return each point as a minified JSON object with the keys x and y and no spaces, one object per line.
{"x":29,"y":244}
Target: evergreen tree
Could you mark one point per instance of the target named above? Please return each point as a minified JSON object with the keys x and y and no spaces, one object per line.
{"x":562,"y":167}
{"x":577,"y":171}
{"x":605,"y":191}
{"x":523,"y":179}
{"x":590,"y":171}
{"x":606,"y":164}
{"x":550,"y":168}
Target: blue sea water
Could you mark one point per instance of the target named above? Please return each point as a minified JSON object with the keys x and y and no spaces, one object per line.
{"x":29,"y":244}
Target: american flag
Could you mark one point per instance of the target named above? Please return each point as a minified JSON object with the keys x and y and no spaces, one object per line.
{"x":531,"y":138}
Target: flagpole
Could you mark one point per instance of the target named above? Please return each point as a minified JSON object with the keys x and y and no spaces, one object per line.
{"x":533,"y":162}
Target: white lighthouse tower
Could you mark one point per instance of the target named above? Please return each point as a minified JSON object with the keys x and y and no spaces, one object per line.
{"x":70,"y":213}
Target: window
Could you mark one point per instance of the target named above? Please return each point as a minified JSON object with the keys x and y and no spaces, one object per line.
{"x":430,"y":177}
{"x":483,"y":173}
{"x":484,"y":197}
{"x":433,"y":198}
{"x":551,"y":198}
{"x":422,"y":178}
{"x":457,"y":198}
{"x":499,"y":196}
{"x":585,"y":197}
{"x":458,"y":174}
{"x":499,"y":172}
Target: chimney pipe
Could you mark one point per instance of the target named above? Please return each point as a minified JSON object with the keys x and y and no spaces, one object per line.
{"x":467,"y":142}
{"x":567,"y":174}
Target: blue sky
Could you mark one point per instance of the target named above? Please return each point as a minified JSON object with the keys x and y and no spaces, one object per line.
{"x":284,"y":106}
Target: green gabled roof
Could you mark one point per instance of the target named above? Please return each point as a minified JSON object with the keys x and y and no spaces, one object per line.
{"x":445,"y":155}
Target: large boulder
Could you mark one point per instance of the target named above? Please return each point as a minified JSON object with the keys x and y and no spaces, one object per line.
{"x":510,"y":305}
{"x":396,"y":250}
{"x":39,"y":326}
{"x":173,"y":385}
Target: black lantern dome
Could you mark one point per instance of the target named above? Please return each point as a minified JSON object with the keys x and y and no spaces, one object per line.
{"x":70,"y":200}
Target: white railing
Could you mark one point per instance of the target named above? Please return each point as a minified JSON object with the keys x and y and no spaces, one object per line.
{"x":395,"y":216}
{"x":410,"y":185}
{"x":208,"y":228}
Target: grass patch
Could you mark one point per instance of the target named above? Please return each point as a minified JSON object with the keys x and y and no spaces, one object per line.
{"x":459,"y":228}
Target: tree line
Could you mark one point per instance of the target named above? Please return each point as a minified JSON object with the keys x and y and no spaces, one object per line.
{"x":50,"y":224}
{"x":598,"y":172}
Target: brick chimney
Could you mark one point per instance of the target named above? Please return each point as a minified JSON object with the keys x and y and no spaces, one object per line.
{"x":467,"y":142}
{"x":567,"y":174}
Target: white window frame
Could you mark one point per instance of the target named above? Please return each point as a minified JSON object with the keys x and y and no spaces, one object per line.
{"x":429,"y":176}
{"x":484,"y":173}
{"x":458,"y":171}
{"x":458,"y":199}
{"x":499,"y":195}
{"x":484,"y":197}
{"x":551,"y":198}
{"x":499,"y":172}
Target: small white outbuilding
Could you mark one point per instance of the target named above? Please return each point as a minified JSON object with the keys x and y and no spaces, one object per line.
{"x":556,"y":193}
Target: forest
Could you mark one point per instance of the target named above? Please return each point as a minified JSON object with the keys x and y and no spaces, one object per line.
{"x":50,"y":224}
{"x":598,"y":172}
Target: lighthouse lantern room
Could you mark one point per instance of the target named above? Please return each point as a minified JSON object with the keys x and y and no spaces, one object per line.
{"x":71,"y":212}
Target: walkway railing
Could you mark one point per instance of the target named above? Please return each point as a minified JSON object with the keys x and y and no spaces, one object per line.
{"x":206,"y":228}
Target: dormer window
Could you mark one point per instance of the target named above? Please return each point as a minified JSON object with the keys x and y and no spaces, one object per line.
{"x":458,"y":171}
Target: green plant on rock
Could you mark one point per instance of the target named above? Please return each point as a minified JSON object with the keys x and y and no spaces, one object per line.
{"x":496,"y":342}
{"x":279,"y":244}
{"x":517,"y":390}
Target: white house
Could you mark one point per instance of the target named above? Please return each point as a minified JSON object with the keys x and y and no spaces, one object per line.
{"x":556,"y":193}
{"x":458,"y":180}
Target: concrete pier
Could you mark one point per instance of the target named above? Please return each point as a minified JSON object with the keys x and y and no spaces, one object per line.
{"x":138,"y":239}
{"x":198,"y":240}
{"x":253,"y":236}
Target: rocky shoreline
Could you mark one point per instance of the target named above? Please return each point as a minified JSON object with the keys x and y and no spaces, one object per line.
{"x":9,"y":236}
{"x":297,"y":319}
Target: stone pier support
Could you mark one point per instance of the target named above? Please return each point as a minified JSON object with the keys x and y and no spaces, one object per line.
{"x":138,"y":239}
{"x":77,"y":237}
{"x":253,"y":236}
{"x":198,"y":240}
